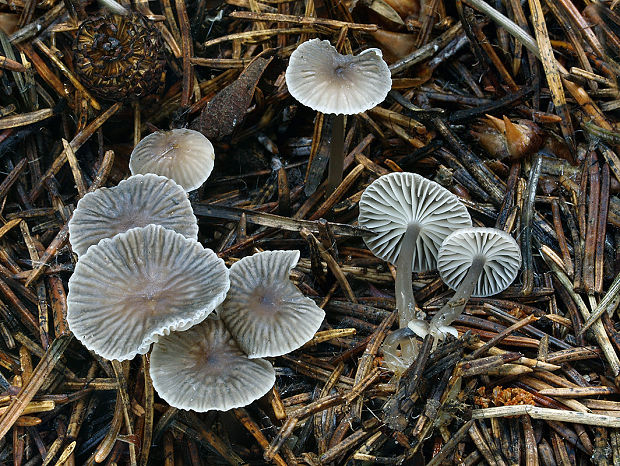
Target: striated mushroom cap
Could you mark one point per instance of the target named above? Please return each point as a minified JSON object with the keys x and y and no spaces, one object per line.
{"x":183,"y":155}
{"x":326,"y":81}
{"x":203,"y":368}
{"x":394,"y":201}
{"x":138,"y":201}
{"x":127,"y":291}
{"x":264,"y":310}
{"x":500,"y":251}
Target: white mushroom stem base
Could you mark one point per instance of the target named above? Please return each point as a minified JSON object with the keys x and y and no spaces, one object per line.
{"x":336,"y":155}
{"x":392,"y":358}
{"x":439,"y":326}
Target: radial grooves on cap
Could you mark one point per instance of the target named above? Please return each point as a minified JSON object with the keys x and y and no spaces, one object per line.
{"x":394,"y":201}
{"x":141,"y":284}
{"x":184,"y":155}
{"x":138,"y":201}
{"x":264,"y":310}
{"x":502,"y":253}
{"x":203,"y":368}
{"x":326,"y":81}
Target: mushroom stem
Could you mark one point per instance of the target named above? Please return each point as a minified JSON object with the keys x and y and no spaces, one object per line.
{"x":453,"y":308}
{"x":405,"y":301}
{"x":336,"y":155}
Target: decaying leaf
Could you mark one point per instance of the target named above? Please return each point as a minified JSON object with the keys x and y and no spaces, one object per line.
{"x":227,"y":109}
{"x":383,"y":9}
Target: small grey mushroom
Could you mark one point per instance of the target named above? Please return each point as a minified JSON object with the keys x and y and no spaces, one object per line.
{"x":326,"y":81}
{"x":264,"y":310}
{"x":475,"y":262}
{"x":203,"y":368}
{"x":127,"y":291}
{"x":183,"y":155}
{"x":138,"y":201}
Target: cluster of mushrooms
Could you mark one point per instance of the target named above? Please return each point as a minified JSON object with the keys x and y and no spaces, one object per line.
{"x":415,"y":223}
{"x":142,"y":278}
{"x":418,"y":225}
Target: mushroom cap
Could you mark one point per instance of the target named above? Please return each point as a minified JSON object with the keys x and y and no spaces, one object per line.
{"x":127,"y":291}
{"x":138,"y":201}
{"x":328,"y":82}
{"x":500,"y":250}
{"x":393,"y":201}
{"x":183,"y":155}
{"x":264,"y":310}
{"x":203,"y":368}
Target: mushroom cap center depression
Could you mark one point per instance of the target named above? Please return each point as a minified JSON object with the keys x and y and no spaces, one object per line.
{"x":265,"y":300}
{"x":132,"y":217}
{"x":212,"y":359}
{"x":152,"y":294}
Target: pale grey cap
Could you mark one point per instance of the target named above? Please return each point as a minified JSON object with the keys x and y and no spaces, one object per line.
{"x":264,"y":310}
{"x":127,"y":291}
{"x":183,"y":155}
{"x":328,"y":82}
{"x":138,"y":201}
{"x":203,"y":368}
{"x":500,"y":251}
{"x":393,"y":201}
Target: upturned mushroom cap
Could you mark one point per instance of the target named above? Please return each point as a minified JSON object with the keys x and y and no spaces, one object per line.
{"x":127,"y":291}
{"x":203,"y":368}
{"x":326,"y":81}
{"x":264,"y":310}
{"x":394,"y":201}
{"x":183,"y":155}
{"x":502,"y":259}
{"x":138,"y":201}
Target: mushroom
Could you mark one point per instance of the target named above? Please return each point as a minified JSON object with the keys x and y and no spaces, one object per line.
{"x":264,"y":310}
{"x":184,"y":155}
{"x":203,"y":368}
{"x":409,"y":216}
{"x":127,"y":291}
{"x":475,"y":262}
{"x":138,"y":201}
{"x":328,"y":82}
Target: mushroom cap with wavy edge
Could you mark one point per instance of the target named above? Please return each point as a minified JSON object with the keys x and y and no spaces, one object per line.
{"x":393,"y":201}
{"x":328,"y":82}
{"x":500,"y":250}
{"x":264,"y":310}
{"x":203,"y":368}
{"x":183,"y":155}
{"x":127,"y":291}
{"x":138,"y":201}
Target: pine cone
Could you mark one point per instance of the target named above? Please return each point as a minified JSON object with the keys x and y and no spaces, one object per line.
{"x":119,"y":57}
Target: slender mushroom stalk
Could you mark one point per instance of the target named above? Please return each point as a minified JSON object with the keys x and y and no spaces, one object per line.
{"x":455,"y":307}
{"x":336,"y":154}
{"x":476,"y":262}
{"x":409,"y":216}
{"x":405,"y":301}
